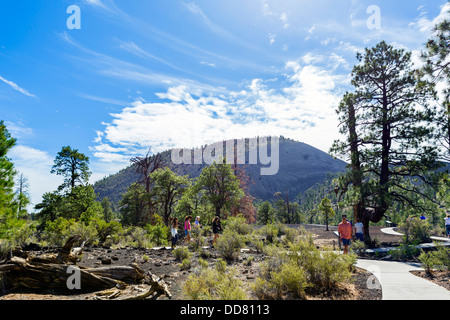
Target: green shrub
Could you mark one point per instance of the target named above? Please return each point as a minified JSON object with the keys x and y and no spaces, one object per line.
{"x":185,"y":264}
{"x":19,"y":232}
{"x":415,"y":231}
{"x":86,"y":232}
{"x":280,"y":275}
{"x":107,"y":230}
{"x":437,"y":259}
{"x":359,"y":247}
{"x":239,"y":225}
{"x":428,"y":261}
{"x":325,"y":268}
{"x":442,"y":255}
{"x":197,"y":240}
{"x":139,"y":238}
{"x":55,"y":232}
{"x":211,"y":284}
{"x":229,"y":244}
{"x":221,"y":266}
{"x":404,"y":252}
{"x":181,"y":253}
{"x":290,"y":235}
{"x":158,"y":233}
{"x":270,"y":232}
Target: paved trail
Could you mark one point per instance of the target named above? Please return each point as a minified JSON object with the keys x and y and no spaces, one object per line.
{"x":398,"y":283}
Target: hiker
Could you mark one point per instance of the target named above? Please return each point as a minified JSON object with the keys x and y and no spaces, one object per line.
{"x":422,"y":217}
{"x":197,"y":222}
{"x":187,"y":228}
{"x":345,"y":232}
{"x":447,"y":225}
{"x":359,"y":230}
{"x":216,"y":229}
{"x":174,"y":231}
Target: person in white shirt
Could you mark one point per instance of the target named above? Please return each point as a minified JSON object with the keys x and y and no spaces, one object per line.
{"x":359,"y":230}
{"x":447,"y":225}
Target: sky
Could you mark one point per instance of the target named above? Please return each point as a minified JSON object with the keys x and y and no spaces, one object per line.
{"x":137,"y":75}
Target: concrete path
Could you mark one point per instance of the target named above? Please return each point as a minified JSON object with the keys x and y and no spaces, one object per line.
{"x":391,"y":231}
{"x":397,"y":283}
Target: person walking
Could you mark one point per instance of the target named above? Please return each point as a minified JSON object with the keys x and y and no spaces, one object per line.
{"x":216,"y":229}
{"x":197,"y":223}
{"x":187,"y":228}
{"x":345,"y":233}
{"x":447,"y":225}
{"x":174,"y":231}
{"x":359,"y":230}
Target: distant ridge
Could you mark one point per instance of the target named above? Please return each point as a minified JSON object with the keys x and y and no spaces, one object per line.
{"x":301,"y":166}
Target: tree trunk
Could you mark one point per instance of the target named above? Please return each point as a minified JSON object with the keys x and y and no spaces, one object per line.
{"x":55,"y":272}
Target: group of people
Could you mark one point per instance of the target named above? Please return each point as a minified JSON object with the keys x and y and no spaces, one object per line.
{"x":346,"y":232}
{"x":216,"y":228}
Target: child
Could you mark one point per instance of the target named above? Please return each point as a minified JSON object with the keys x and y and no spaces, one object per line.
{"x":187,"y":228}
{"x":174,"y":231}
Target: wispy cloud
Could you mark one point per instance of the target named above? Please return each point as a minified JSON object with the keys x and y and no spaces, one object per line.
{"x":17,"y":88}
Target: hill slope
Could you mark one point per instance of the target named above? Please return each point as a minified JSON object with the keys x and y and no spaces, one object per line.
{"x":300,"y":167}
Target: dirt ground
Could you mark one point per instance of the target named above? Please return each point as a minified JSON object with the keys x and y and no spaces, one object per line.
{"x":161,"y":262}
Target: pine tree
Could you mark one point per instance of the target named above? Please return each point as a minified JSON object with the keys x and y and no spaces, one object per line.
{"x":387,"y":134}
{"x":7,"y":173}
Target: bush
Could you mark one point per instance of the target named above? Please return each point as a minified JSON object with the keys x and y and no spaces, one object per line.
{"x":438,"y":259}
{"x":197,"y":240}
{"x":211,"y":284}
{"x":325,"y":268}
{"x":19,"y":232}
{"x":442,"y":255}
{"x":428,"y":261}
{"x":158,"y":233}
{"x":185,"y":264}
{"x":404,"y":252}
{"x":238,"y":225}
{"x":55,"y":232}
{"x":359,"y":247}
{"x":86,"y":232}
{"x":270,"y":232}
{"x":107,"y":230}
{"x":280,"y":277}
{"x":416,"y":231}
{"x":301,"y":267}
{"x":182,"y":253}
{"x":290,"y":235}
{"x":229,"y":244}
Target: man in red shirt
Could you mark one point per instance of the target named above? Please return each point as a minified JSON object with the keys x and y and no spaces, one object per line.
{"x":345,"y":232}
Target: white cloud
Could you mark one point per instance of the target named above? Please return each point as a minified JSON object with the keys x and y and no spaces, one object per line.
{"x":301,"y":106}
{"x":17,"y":88}
{"x":272,"y":38}
{"x":425,"y":25}
{"x":36,"y":166}
{"x":284,"y":20}
{"x":18,"y":130}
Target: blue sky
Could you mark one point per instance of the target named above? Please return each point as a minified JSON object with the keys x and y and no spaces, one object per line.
{"x":164,"y":74}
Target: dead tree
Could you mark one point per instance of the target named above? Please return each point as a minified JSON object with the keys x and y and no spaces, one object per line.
{"x":51,"y":271}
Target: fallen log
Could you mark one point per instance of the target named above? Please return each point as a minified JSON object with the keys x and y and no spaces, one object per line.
{"x":56,"y":271}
